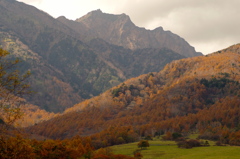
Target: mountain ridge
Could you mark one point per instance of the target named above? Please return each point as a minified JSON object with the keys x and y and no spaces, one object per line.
{"x":120,"y":30}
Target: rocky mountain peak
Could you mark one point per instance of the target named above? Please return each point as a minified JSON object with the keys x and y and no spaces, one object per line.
{"x":120,"y":30}
{"x":94,"y":13}
{"x":104,"y":19}
{"x":158,"y":29}
{"x":62,"y":18}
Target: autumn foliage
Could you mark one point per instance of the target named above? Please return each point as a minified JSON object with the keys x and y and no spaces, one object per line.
{"x":19,"y":147}
{"x":199,"y":94}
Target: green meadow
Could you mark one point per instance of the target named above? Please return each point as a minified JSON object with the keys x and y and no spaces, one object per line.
{"x":169,"y":150}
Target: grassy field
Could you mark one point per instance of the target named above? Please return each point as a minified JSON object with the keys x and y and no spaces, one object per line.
{"x":169,"y":150}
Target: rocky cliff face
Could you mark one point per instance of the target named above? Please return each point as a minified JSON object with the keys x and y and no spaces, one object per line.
{"x":120,"y":30}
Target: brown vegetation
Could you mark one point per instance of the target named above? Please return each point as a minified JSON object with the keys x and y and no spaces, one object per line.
{"x":197,"y":94}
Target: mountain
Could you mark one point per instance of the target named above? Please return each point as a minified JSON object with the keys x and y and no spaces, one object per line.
{"x":69,"y":63}
{"x":120,"y":30}
{"x":187,"y":95}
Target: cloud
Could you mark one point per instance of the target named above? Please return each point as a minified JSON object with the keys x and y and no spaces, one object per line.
{"x":208,"y":25}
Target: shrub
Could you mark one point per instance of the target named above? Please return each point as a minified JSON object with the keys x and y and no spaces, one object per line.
{"x":188,"y":143}
{"x":143,"y":144}
{"x":206,"y":143}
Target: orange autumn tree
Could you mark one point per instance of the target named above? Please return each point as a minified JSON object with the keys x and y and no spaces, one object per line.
{"x":12,"y":87}
{"x":143,"y":144}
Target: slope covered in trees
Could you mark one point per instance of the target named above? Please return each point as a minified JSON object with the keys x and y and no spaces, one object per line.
{"x":16,"y":144}
{"x":199,"y":94}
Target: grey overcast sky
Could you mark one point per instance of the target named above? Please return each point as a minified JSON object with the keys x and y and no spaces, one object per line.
{"x":207,"y":25}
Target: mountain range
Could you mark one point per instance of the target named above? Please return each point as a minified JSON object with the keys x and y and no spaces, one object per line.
{"x":71,"y":61}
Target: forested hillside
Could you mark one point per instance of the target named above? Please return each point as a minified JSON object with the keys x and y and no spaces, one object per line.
{"x":199,"y":94}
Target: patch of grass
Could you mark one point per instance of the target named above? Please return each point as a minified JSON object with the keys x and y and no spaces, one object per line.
{"x":169,"y":150}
